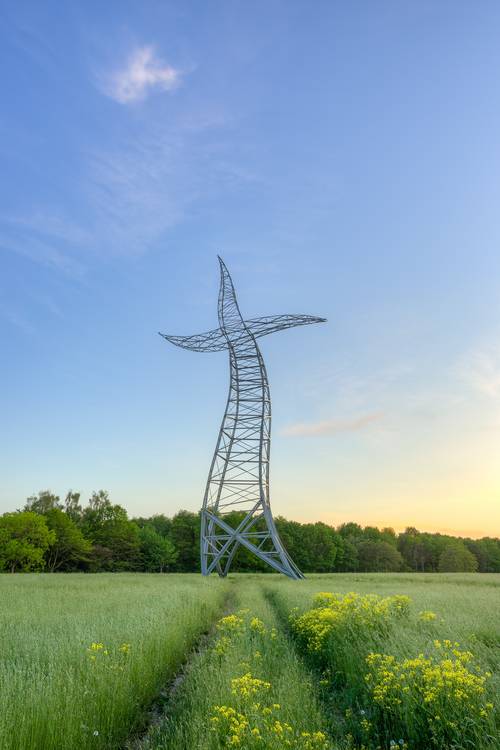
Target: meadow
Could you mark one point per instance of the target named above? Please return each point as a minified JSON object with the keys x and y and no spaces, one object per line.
{"x":348,"y":661}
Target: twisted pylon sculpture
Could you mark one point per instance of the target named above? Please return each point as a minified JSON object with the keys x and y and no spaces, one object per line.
{"x":239,"y":474}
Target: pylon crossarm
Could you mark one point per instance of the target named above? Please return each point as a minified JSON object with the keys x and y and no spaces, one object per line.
{"x":215,"y":341}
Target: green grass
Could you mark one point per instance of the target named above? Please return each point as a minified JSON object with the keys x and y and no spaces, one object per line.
{"x":54,"y":695}
{"x":471,"y":601}
{"x":467,"y":604}
{"x":467,"y":609}
{"x":285,"y":708}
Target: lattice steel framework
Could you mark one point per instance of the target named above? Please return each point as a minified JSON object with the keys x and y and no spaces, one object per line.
{"x":239,"y":474}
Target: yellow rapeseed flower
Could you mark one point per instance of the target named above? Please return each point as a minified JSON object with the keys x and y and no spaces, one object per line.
{"x":247,"y":685}
{"x":257,"y":625}
{"x":427,"y":616}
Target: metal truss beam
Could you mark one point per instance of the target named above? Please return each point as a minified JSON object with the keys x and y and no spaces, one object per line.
{"x":236,"y":508}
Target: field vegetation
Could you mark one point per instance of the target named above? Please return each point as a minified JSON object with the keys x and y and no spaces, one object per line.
{"x":249,"y":689}
{"x":156,"y":662}
{"x":83,"y":656}
{"x":57,"y":535}
{"x":414,"y":664}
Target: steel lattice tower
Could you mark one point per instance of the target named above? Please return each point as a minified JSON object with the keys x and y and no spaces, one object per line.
{"x":239,"y":474}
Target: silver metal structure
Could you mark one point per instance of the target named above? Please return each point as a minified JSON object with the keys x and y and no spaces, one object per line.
{"x":239,"y":474}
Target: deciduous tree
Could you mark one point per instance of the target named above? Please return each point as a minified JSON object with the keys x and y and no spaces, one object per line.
{"x":69,"y":546}
{"x":157,"y":552}
{"x":456,"y":558}
{"x":24,"y":539}
{"x":379,"y":557}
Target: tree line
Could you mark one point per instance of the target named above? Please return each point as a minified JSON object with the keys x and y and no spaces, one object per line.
{"x":57,"y":535}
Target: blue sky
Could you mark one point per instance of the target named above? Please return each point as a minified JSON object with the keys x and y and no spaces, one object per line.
{"x":344,"y":160}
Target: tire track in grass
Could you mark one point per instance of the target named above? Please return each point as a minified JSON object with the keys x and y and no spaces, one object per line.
{"x":167,"y":697}
{"x":247,"y":688}
{"x":330,"y":706}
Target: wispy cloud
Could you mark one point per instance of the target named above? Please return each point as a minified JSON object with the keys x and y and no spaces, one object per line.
{"x":139,"y":189}
{"x":481,"y":370}
{"x":331,"y":426}
{"x":131,"y":193}
{"x":142,"y":186}
{"x":128,"y":191}
{"x":16,"y":319}
{"x":45,"y":238}
{"x":46,"y":224}
{"x":143,"y":73}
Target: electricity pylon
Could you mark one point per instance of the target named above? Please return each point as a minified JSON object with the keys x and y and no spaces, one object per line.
{"x":239,"y":474}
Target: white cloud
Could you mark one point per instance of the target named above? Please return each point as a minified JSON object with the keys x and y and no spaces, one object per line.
{"x":143,"y":73}
{"x":332,"y":426}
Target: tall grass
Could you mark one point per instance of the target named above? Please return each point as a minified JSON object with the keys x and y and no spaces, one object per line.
{"x":59,"y":692}
{"x":249,"y":689}
{"x":83,"y":656}
{"x":433,"y":678}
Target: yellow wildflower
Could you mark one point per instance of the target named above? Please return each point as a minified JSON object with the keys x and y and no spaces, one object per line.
{"x":427,"y":616}
{"x":257,"y":625}
{"x":247,"y":685}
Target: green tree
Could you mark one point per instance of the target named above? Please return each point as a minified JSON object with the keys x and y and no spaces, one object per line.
{"x":347,"y":556}
{"x":351,"y":535}
{"x":371,"y":534}
{"x":72,"y":506}
{"x":487,"y":552}
{"x":291,"y":535}
{"x":159,"y":522}
{"x":456,"y":558}
{"x":320,"y":544}
{"x":43,"y":502}
{"x":100,"y":559}
{"x":115,"y":538}
{"x":421,"y":550}
{"x":352,"y":531}
{"x":69,"y":546}
{"x":157,"y":552}
{"x":185,"y":534}
{"x":379,"y":557}
{"x":24,"y":539}
{"x":388,"y":534}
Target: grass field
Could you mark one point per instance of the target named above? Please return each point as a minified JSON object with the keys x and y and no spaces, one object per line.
{"x":255,"y":661}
